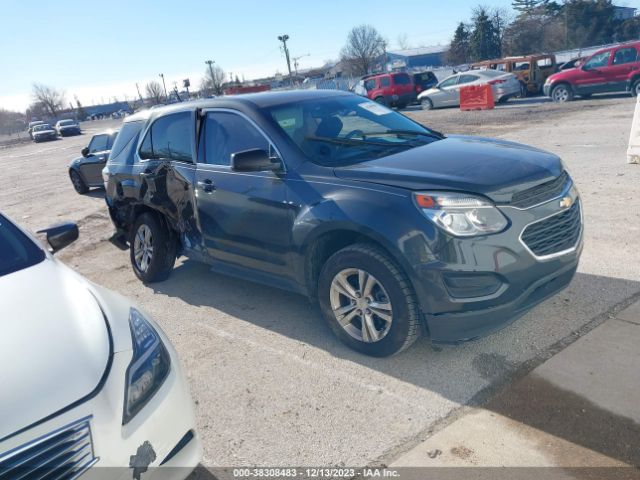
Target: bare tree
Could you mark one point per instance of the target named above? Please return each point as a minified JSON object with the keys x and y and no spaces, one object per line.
{"x":49,"y":97}
{"x":154,"y":92}
{"x":212,"y":81}
{"x":403,"y":41}
{"x":364,"y":46}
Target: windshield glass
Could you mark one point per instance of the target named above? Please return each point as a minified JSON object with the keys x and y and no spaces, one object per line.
{"x":67,"y":122}
{"x":345,"y":130}
{"x":44,"y":126}
{"x":17,"y":251}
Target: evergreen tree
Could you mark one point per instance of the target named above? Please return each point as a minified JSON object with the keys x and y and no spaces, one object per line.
{"x":525,"y":6}
{"x":484,"y":42}
{"x":459,"y":47}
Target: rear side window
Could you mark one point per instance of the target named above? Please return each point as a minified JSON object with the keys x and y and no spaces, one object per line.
{"x":226,"y":133}
{"x":401,"y":79}
{"x":625,"y":55}
{"x":385,"y":81}
{"x":125,"y":143}
{"x":169,"y":138}
{"x":467,"y":79}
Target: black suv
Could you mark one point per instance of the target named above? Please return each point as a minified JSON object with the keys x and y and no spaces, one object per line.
{"x":392,"y":227}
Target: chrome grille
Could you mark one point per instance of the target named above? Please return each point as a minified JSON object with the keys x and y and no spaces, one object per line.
{"x":60,"y":455}
{"x":555,"y":234}
{"x":541,"y":193}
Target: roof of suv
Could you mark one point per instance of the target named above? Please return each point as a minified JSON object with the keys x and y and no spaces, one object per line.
{"x":255,"y":100}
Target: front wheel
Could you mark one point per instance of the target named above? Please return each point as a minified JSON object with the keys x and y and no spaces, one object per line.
{"x":426,"y":104}
{"x":368,"y":301}
{"x":152,"y":248}
{"x":78,"y":182}
{"x":562,"y":93}
{"x":380,"y":100}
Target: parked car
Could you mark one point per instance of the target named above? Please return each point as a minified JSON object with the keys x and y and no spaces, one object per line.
{"x":392,"y":89}
{"x":532,"y":70}
{"x":447,"y":92}
{"x":67,"y":127}
{"x":424,"y":81}
{"x":85,"y":172}
{"x":613,"y":69}
{"x":88,"y":378}
{"x":31,"y":125}
{"x":43,"y":132}
{"x":573,"y":63}
{"x":390,"y":226}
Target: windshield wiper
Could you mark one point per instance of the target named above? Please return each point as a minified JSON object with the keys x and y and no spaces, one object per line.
{"x":348,"y":141}
{"x":430,"y":133}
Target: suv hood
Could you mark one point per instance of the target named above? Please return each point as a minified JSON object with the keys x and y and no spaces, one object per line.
{"x":495,"y":168}
{"x":54,"y":346}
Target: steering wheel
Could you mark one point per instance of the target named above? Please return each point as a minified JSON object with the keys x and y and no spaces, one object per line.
{"x":354,"y":133}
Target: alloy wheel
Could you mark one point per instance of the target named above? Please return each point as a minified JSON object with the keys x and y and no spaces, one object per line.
{"x":77,"y":181}
{"x":143,"y":247}
{"x":560,"y":94}
{"x":361,"y":305}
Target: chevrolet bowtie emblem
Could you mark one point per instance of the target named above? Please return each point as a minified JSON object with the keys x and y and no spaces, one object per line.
{"x":566,"y":202}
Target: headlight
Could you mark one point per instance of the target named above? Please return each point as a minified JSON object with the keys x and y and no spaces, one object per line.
{"x":461,"y":214}
{"x":149,"y":366}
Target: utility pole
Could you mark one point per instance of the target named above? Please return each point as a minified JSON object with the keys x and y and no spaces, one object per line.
{"x":295,"y":61}
{"x":164,"y":86}
{"x":283,"y":39}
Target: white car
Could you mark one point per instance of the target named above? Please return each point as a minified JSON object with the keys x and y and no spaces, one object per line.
{"x":447,"y":92}
{"x":87,"y":379}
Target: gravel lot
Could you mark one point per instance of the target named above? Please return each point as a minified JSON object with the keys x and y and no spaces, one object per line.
{"x":272,"y":386}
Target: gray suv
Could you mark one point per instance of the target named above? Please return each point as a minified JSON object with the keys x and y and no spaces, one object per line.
{"x":392,"y":228}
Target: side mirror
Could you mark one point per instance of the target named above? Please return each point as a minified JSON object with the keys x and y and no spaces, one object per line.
{"x":61,"y":236}
{"x":254,"y":160}
{"x":85,"y":152}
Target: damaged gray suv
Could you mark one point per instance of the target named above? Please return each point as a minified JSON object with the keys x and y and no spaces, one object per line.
{"x":393,"y":228}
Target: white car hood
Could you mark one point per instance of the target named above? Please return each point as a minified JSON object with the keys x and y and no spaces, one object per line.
{"x":54,"y":347}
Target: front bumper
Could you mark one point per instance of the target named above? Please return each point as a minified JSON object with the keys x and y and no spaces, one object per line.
{"x":546,"y":89}
{"x":474,"y":286}
{"x":67,"y":132}
{"x":158,"y":428}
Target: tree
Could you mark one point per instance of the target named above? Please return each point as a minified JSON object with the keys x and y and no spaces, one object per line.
{"x":81,"y":113}
{"x":154,"y":92}
{"x":11,"y":122}
{"x":364,"y":46}
{"x":542,"y":30}
{"x":459,"y":48}
{"x":588,"y":22}
{"x":50,"y":98}
{"x":403,"y":42}
{"x":484,"y":42}
{"x":525,"y":6}
{"x":213,"y":80}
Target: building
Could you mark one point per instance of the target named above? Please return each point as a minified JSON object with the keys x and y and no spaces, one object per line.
{"x":415,"y":58}
{"x":623,"y":13}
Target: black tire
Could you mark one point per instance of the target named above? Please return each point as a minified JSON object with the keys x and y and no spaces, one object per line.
{"x":380,"y":100}
{"x":503,"y":100}
{"x":562,"y":93}
{"x":426,"y":104}
{"x":165,"y":246}
{"x":404,"y":328}
{"x":78,"y":182}
{"x":635,"y":88}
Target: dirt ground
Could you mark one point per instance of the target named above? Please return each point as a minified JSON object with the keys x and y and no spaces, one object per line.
{"x":272,"y":386}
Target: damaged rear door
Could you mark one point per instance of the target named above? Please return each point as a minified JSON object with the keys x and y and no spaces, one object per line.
{"x":166,"y":171}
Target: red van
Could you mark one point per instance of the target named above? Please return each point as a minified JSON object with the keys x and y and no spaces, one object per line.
{"x":613,"y":69}
{"x":391,"y":89}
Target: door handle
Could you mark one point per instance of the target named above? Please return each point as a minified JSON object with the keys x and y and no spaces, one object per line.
{"x":207,"y":185}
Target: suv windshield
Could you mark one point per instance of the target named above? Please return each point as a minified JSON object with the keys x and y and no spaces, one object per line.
{"x":42,"y":126}
{"x":63,"y":123}
{"x":345,"y":130}
{"x":17,"y":251}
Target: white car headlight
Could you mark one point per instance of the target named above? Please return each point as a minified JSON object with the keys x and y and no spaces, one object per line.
{"x":461,"y":214}
{"x":149,"y":366}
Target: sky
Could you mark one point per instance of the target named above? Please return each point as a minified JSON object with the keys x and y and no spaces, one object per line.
{"x":98,"y":50}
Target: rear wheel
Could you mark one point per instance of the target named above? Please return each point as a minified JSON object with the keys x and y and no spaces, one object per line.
{"x":78,"y":182}
{"x":380,"y":100}
{"x":368,"y":301}
{"x":562,"y":93}
{"x":426,"y":104}
{"x":152,"y":248}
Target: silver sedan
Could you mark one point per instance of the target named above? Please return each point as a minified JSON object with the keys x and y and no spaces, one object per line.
{"x":447,"y":92}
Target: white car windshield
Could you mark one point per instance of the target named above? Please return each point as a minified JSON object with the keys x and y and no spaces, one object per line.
{"x":17,"y":251}
{"x":39,"y":128}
